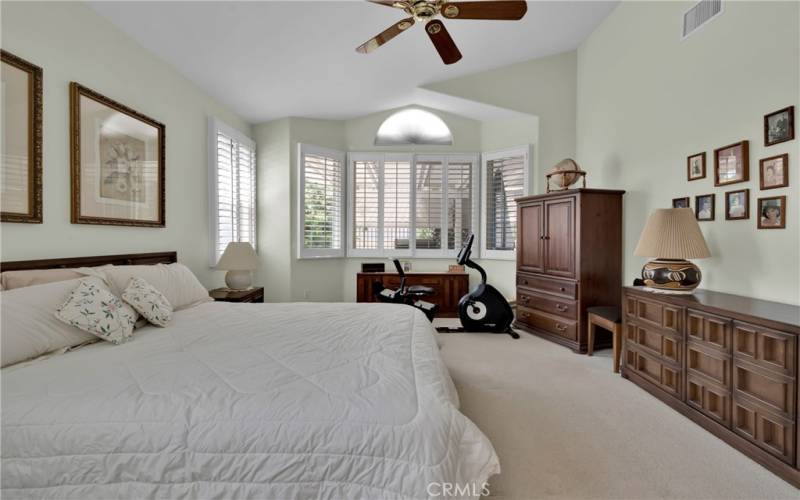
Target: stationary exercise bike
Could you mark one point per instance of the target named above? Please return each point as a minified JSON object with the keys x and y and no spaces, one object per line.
{"x":483,"y":309}
{"x":409,"y":295}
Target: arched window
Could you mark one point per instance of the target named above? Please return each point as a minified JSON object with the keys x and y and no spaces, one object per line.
{"x":413,"y":126}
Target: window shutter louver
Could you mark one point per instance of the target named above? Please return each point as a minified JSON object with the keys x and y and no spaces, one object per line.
{"x":366,"y":205}
{"x":234,"y":181}
{"x":322,"y":206}
{"x":428,"y":209}
{"x":459,"y":203}
{"x":396,"y":205}
{"x":505,"y":181}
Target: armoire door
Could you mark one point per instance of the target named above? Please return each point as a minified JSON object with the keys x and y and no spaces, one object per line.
{"x":530,"y":254}
{"x":559,"y":239}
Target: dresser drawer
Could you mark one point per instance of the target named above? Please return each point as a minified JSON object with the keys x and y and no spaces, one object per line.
{"x":654,"y":341}
{"x":653,"y":313}
{"x":709,"y":398}
{"x":709,"y":330}
{"x":666,"y":376}
{"x":708,"y":362}
{"x":549,"y":323}
{"x":560,"y":307}
{"x":773,"y":433}
{"x":548,"y":285}
{"x":773,"y":391}
{"x":766,"y":348}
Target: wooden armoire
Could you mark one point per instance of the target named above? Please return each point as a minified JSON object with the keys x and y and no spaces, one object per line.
{"x":569,"y":258}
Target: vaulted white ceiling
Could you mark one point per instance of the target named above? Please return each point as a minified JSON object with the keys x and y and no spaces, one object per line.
{"x":272,"y":59}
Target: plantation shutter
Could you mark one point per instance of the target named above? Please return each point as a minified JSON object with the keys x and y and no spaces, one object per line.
{"x":234,"y":176}
{"x":366,"y":205}
{"x":396,"y":205}
{"x":459,"y":202}
{"x":505,"y":181}
{"x":322,"y":201}
{"x":428,"y":205}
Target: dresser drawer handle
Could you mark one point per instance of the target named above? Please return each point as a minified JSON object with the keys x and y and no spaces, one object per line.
{"x":525,"y":315}
{"x":563,"y":289}
{"x":561,"y":307}
{"x":524,"y":282}
{"x":560,"y":327}
{"x":525,"y":299}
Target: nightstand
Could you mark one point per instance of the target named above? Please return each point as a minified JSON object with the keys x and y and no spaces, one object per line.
{"x":255,"y":294}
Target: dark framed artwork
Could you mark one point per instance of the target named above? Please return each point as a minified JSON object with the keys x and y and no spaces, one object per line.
{"x":737,"y":205}
{"x":21,"y":164}
{"x":680,"y":202}
{"x":117,"y":162}
{"x":704,"y":207}
{"x":779,"y":126}
{"x":696,"y":167}
{"x":732,"y":163}
{"x":773,"y":172}
{"x":772,"y":212}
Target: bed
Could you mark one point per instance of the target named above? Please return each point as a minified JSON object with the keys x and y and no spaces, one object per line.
{"x":244,"y":401}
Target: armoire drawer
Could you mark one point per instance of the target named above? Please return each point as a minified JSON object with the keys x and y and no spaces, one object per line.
{"x":547,"y":303}
{"x":549,"y":323}
{"x":548,"y":285}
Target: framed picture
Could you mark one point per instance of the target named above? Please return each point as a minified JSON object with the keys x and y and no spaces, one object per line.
{"x":779,"y":126}
{"x":737,"y":205}
{"x":772,"y":212}
{"x":704,"y":207}
{"x":773,"y":172}
{"x":696,"y":167}
{"x":680,"y":202}
{"x":117,"y":162}
{"x":732,"y":164}
{"x":21,"y":163}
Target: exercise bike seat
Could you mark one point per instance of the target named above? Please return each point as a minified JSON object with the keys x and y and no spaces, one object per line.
{"x":420,"y":290}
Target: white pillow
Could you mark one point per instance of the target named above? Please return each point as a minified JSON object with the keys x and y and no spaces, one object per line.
{"x":93,"y":308}
{"x":180,"y":287}
{"x":151,"y":303}
{"x":28,"y":328}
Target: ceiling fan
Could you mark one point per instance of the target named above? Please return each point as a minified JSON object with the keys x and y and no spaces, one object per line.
{"x":424,"y":11}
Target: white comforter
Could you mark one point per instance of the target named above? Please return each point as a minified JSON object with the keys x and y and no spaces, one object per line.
{"x":245,"y":401}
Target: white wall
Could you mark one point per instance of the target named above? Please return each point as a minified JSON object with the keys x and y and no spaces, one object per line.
{"x":647,"y":100}
{"x":73,"y":43}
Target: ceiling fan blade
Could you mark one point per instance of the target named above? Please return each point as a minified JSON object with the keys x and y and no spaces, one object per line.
{"x":498,"y":10}
{"x":386,"y":35}
{"x":443,"y":42}
{"x":397,"y":4}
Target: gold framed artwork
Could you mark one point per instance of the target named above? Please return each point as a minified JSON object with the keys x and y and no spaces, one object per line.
{"x":732,"y":164}
{"x":21,"y":168}
{"x":774,"y":172}
{"x":117,"y":158}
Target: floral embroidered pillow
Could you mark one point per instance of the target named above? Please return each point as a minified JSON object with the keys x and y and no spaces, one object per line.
{"x":148,"y":301}
{"x":93,"y":308}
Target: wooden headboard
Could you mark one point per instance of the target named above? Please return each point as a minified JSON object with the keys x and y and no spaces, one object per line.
{"x":118,"y":260}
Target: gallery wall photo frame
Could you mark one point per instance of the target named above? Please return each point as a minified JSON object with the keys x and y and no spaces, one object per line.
{"x":704,"y":207}
{"x":21,"y":164}
{"x":773,"y":172}
{"x":732,"y":163}
{"x":681,"y":202}
{"x":737,"y":205}
{"x":696,"y":166}
{"x":779,"y":126}
{"x":117,"y":163}
{"x":771,"y":212}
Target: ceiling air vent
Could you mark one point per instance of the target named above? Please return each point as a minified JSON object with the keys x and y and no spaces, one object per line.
{"x":703,"y":12}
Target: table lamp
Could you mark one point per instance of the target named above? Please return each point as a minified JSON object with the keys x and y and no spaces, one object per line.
{"x":672,"y":235}
{"x":239,"y":259}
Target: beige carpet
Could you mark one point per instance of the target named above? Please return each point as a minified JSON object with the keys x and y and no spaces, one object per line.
{"x":564,"y":426}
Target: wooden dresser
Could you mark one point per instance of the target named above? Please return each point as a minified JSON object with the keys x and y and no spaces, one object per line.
{"x":569,"y":257}
{"x":727,"y":362}
{"x":450,"y":287}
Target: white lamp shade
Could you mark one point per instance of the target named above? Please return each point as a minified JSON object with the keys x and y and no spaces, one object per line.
{"x":238,"y":256}
{"x":672,"y":233}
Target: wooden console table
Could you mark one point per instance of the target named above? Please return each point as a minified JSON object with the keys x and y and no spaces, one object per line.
{"x":729,"y":363}
{"x":450,"y":287}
